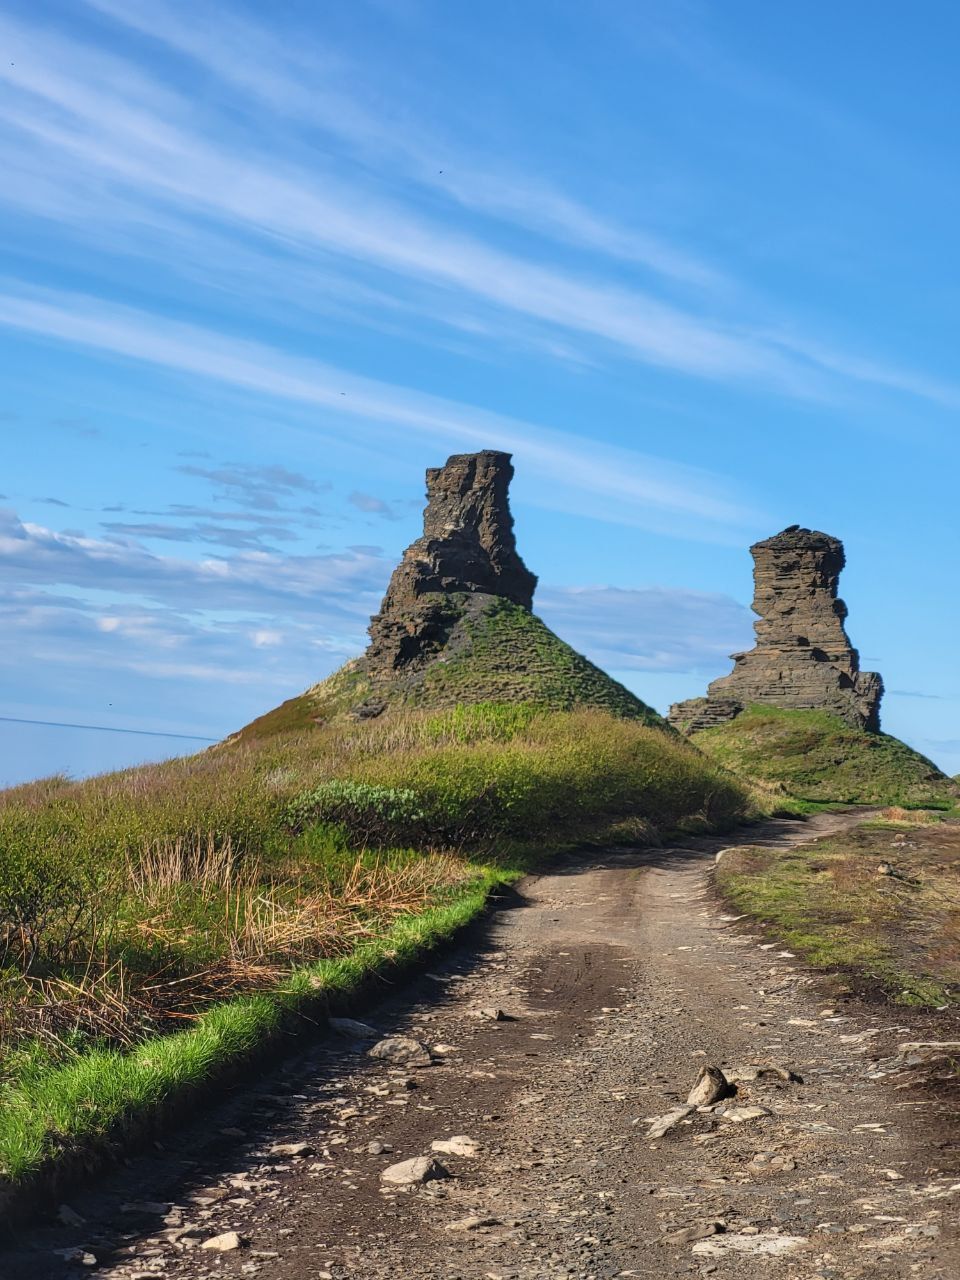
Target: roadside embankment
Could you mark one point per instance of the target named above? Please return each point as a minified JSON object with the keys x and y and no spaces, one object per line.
{"x":164,"y":925}
{"x":878,"y":904}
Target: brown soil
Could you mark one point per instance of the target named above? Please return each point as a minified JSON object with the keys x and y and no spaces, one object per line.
{"x":622,"y":979}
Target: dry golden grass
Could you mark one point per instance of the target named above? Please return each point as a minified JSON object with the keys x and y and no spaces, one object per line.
{"x":200,"y":860}
{"x":911,"y":817}
{"x":266,"y":930}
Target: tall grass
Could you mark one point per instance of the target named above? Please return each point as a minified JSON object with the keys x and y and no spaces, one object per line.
{"x":133,"y":902}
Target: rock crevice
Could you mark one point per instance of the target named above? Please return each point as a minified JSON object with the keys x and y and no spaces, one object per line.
{"x":803,"y":658}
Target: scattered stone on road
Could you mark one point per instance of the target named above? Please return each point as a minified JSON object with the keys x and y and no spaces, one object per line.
{"x":772,"y":1246}
{"x":458,"y":1146}
{"x":710,"y":1087}
{"x":688,"y":1235}
{"x":352,"y":1029}
{"x":409,"y":1172}
{"x":80,"y":1257}
{"x":740,"y":1114}
{"x":403,"y":1050}
{"x":622,"y":978}
{"x":225,"y":1242}
{"x":772,"y":1160}
{"x":661,"y":1125}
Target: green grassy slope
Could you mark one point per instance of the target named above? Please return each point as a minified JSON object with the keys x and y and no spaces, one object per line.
{"x":496,"y":651}
{"x":233,"y":890}
{"x":503,"y":653}
{"x":816,"y":756}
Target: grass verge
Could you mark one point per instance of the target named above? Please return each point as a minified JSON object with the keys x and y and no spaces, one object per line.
{"x":879,"y":904}
{"x":91,"y":1105}
{"x":819,"y":759}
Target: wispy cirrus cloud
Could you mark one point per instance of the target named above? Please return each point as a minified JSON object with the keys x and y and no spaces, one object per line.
{"x":263,"y":506}
{"x":144,"y":153}
{"x":325,"y":91}
{"x":371,"y":505}
{"x":915,"y":693}
{"x":262,"y":487}
{"x":257,"y":537}
{"x":656,"y":629}
{"x":604,"y":481}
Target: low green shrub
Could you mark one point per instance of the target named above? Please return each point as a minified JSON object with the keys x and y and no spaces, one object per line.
{"x":371,"y":814}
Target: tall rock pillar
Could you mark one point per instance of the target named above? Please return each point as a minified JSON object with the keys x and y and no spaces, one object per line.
{"x":803,"y":657}
{"x":467,"y":549}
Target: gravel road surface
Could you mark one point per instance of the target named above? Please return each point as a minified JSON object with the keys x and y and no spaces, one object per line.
{"x":616,"y":978}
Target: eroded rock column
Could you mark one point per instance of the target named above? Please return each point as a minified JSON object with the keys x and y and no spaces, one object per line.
{"x":803,"y":658}
{"x":467,"y":548}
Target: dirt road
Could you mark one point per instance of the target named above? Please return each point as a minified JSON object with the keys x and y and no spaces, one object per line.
{"x":621,"y":978}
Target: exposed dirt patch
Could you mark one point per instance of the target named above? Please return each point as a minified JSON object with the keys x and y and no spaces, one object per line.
{"x":619,"y":979}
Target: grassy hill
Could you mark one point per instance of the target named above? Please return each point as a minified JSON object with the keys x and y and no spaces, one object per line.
{"x":495,"y":651}
{"x":162,"y":923}
{"x":816,"y":756}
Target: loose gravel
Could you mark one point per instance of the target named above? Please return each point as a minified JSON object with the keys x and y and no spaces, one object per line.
{"x":527,"y":1148}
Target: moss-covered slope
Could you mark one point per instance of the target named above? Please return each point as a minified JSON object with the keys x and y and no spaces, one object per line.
{"x":494,"y":651}
{"x":816,"y":756}
{"x":500,"y":652}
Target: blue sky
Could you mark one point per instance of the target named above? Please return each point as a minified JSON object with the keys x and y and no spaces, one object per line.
{"x":264,"y":264}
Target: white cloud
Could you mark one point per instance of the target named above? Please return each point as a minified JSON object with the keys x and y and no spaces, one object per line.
{"x":654,"y":629}
{"x":141,"y":149}
{"x":610,"y":483}
{"x":337,"y":590}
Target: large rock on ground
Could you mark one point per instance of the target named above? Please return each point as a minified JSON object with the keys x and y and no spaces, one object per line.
{"x":803,"y":658}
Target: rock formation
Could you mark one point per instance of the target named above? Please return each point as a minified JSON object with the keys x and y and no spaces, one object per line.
{"x":456,"y":626}
{"x":803,"y":657}
{"x":467,"y":548}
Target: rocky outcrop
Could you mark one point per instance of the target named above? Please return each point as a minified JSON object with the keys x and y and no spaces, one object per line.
{"x":456,"y":625}
{"x":467,"y":549}
{"x":803,"y":657}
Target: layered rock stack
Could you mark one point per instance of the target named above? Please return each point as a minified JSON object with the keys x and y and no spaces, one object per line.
{"x":456,"y":626}
{"x":803,"y":657}
{"x":467,"y":549}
